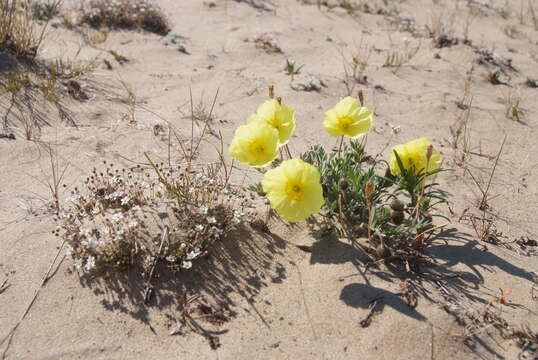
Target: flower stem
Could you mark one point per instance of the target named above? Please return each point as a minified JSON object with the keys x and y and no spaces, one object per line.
{"x":288,"y":151}
{"x":422,"y":185}
{"x":340,"y":146}
{"x":364,"y":141}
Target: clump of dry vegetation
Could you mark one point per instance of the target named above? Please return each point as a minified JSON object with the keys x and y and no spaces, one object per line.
{"x":31,"y":90}
{"x":17,"y":29}
{"x":126,"y":14}
{"x":33,"y":93}
{"x":140,"y":216}
{"x":395,"y":58}
{"x":355,"y":66}
{"x":268,"y":43}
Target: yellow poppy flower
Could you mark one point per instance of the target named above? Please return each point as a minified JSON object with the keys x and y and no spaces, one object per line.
{"x":294,"y":190}
{"x":414,"y":154}
{"x":281,"y":117}
{"x":348,"y":118}
{"x":254,"y":144}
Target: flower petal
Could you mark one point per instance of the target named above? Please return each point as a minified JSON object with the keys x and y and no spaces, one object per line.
{"x":331,"y":123}
{"x":346,"y":106}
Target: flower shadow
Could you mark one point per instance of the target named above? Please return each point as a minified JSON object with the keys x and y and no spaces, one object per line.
{"x":470,"y":255}
{"x":358,"y":295}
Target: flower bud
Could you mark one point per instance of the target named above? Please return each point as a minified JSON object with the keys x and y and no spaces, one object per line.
{"x":397,"y":217}
{"x":429,"y":152}
{"x":397,"y":205}
{"x":382,"y":251}
{"x":361,"y":97}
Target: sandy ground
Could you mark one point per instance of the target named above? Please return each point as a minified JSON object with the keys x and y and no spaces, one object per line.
{"x":286,"y":303}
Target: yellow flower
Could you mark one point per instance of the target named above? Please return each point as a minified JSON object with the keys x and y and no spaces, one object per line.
{"x":254,"y":144}
{"x":281,"y":117}
{"x":414,"y":155}
{"x":349,"y":119}
{"x":294,"y":190}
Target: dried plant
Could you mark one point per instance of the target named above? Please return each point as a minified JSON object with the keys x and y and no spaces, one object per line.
{"x":267,"y":42}
{"x":396,"y":59}
{"x":17,"y":28}
{"x":117,"y":218}
{"x":513,"y":103}
{"x":512,"y":31}
{"x":461,"y":130}
{"x":355,"y":66}
{"x":126,"y":14}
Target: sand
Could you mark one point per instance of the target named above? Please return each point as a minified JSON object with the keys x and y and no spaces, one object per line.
{"x":285,"y":303}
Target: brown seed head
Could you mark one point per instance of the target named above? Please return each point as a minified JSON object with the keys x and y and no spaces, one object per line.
{"x":369,"y":189}
{"x":361,"y":97}
{"x":429,"y":152}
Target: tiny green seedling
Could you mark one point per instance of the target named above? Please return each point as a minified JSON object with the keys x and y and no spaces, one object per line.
{"x":292,"y":69}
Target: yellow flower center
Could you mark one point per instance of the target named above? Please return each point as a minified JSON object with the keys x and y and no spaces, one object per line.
{"x":274,"y":122}
{"x":257,"y":148}
{"x":294,"y":190}
{"x":345,"y":122}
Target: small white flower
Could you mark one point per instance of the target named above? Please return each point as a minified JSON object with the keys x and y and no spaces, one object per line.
{"x":149,"y":259}
{"x":186,"y":264}
{"x":217,"y":231}
{"x":171,"y":258}
{"x":125,"y":200}
{"x":73,"y":198}
{"x":69,"y":251}
{"x":78,"y":264}
{"x":119,"y":235}
{"x":115,"y":217}
{"x":132,"y":224}
{"x":199,"y":227}
{"x":135,"y":208}
{"x":211,"y":220}
{"x":238,"y":212}
{"x":193,"y":254}
{"x":204,"y":209}
{"x":90,"y":263}
{"x":97,"y":209}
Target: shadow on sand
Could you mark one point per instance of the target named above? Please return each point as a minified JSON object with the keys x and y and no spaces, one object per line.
{"x":457,"y":266}
{"x":236,"y":267}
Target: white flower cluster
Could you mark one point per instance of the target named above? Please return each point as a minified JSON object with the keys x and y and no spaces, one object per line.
{"x":187,"y":263}
{"x":98,"y":7}
{"x":104,"y":228}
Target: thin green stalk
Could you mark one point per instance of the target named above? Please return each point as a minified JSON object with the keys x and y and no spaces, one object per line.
{"x":340,"y":146}
{"x":288,"y":151}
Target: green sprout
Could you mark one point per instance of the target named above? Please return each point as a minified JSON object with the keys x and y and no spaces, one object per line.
{"x":291,"y":69}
